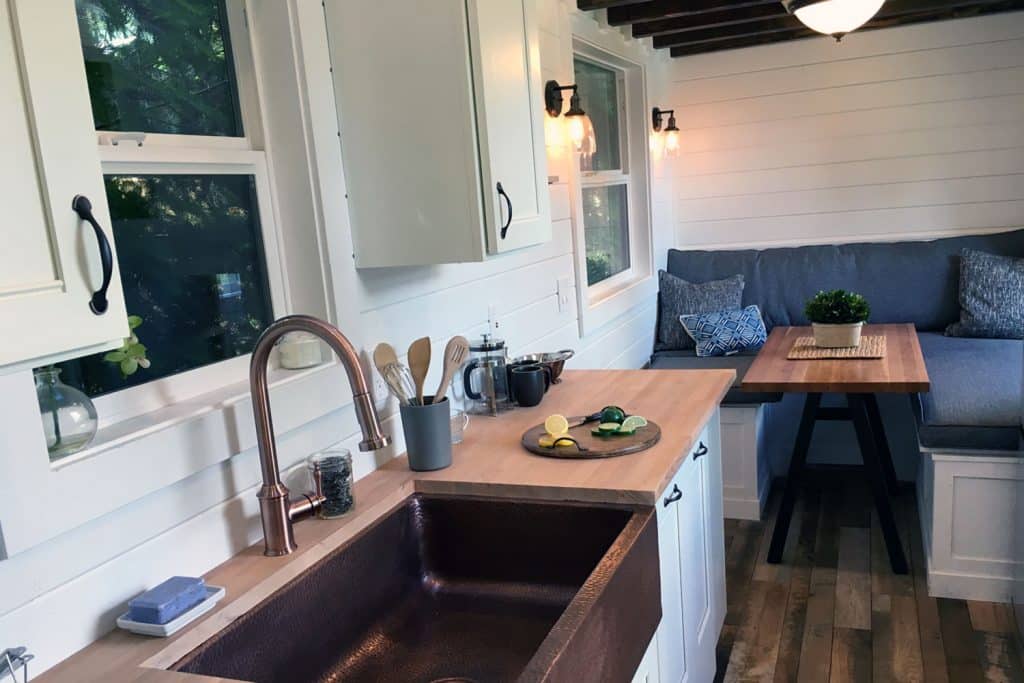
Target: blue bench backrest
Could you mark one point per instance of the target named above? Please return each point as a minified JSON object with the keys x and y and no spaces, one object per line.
{"x":914,"y":281}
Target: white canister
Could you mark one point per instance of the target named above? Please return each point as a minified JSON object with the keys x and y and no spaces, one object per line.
{"x":300,"y":350}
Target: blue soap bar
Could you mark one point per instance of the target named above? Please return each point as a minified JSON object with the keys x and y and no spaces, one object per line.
{"x":167,"y":601}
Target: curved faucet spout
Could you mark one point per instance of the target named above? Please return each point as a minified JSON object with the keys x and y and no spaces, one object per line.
{"x":274,"y":506}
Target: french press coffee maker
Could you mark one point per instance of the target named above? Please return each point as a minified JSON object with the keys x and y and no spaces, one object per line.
{"x":485,"y":377}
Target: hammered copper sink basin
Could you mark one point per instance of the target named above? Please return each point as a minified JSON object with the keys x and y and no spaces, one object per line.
{"x":459,"y":589}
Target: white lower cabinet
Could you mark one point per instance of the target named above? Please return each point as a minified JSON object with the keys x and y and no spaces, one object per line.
{"x":691,"y":548}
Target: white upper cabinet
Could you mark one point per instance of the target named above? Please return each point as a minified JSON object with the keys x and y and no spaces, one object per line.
{"x":441,"y":118}
{"x":52,"y":261}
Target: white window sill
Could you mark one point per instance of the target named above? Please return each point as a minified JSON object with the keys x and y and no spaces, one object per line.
{"x":124,"y":432}
{"x":140,"y":455}
{"x":601,"y":305}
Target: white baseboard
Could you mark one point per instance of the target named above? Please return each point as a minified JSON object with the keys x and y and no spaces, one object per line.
{"x":742,"y":508}
{"x":969,"y":586}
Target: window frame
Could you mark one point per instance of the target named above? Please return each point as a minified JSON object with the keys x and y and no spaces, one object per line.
{"x":139,"y":456}
{"x":128,"y":152}
{"x":600,"y":303}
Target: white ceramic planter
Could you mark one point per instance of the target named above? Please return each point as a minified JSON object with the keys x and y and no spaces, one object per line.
{"x":837,"y":336}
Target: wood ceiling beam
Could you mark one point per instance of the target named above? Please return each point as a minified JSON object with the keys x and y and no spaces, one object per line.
{"x":723,"y":17}
{"x":742,"y":41}
{"x":893,"y":13}
{"x":590,"y":5}
{"x":667,"y":9}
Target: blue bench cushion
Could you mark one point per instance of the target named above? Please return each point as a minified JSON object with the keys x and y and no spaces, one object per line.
{"x":976,"y":398}
{"x":740,"y":362}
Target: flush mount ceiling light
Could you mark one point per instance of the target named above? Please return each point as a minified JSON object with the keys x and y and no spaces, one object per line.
{"x":581,"y":130}
{"x":835,"y":18}
{"x":671,"y":130}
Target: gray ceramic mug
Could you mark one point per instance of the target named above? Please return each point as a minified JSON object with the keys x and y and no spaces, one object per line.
{"x":428,"y":434}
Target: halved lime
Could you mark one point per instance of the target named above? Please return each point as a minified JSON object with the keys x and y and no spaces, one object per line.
{"x":623,"y":432}
{"x":608,"y":427}
{"x":632,"y":423}
{"x":613,"y":414}
{"x":556,"y":425}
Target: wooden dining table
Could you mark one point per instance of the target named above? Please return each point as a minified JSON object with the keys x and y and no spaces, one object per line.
{"x":900,"y":370}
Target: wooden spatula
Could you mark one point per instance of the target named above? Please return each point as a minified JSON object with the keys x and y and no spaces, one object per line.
{"x":383,"y":356}
{"x":455,"y":352}
{"x":419,"y":364}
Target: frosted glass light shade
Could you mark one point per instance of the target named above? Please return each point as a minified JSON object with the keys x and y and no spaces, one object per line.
{"x":837,"y":17}
{"x":671,"y":143}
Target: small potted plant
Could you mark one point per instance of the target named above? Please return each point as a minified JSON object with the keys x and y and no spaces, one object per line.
{"x":837,"y":317}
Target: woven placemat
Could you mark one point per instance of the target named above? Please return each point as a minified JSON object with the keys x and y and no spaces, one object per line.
{"x":871,"y":346}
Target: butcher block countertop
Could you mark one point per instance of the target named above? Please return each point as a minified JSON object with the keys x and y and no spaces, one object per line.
{"x":490,"y":462}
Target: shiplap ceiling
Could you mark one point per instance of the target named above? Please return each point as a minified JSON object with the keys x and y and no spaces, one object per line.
{"x":687,"y":27}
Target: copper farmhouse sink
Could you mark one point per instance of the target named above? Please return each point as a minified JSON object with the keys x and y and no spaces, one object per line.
{"x":459,"y":589}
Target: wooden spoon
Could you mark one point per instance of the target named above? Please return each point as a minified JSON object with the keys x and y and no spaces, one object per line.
{"x":419,"y":363}
{"x":455,"y":352}
{"x":383,"y":356}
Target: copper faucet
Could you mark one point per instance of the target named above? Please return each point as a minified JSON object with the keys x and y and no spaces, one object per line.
{"x":276,"y":510}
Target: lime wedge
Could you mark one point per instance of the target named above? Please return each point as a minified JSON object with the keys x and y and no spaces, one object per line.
{"x":556,"y":425}
{"x":632,"y":423}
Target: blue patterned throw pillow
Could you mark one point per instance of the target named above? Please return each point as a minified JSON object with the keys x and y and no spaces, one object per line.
{"x":991,"y":296}
{"x":724,"y":333}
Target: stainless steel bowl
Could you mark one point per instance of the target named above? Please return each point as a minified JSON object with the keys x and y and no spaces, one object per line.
{"x":555,"y":360}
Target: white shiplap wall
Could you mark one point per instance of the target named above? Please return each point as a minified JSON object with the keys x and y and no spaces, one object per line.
{"x":910,"y":131}
{"x":60,"y":595}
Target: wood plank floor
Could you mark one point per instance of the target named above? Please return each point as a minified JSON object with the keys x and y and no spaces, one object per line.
{"x":833,"y":611}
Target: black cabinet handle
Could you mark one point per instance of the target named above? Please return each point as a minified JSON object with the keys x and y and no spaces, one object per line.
{"x":701,"y":450}
{"x":508,"y":203}
{"x":83,"y":207}
{"x":674,"y":496}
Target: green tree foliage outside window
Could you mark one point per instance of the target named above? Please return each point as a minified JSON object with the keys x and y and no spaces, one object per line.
{"x":160,"y":66}
{"x":190,"y":254}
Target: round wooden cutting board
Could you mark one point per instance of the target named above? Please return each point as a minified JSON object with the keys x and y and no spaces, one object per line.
{"x":592,"y":446}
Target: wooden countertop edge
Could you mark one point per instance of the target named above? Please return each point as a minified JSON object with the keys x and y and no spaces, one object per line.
{"x":250,"y":577}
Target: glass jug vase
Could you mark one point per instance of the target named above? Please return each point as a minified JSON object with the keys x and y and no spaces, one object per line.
{"x":69,"y":416}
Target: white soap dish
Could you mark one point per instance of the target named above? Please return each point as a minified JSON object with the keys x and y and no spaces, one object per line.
{"x":213,"y":596}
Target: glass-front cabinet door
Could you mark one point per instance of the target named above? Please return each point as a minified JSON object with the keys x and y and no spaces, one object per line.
{"x":60,"y":290}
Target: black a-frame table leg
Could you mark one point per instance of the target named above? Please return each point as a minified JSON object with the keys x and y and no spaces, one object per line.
{"x":794,"y":478}
{"x":868,"y":441}
{"x":881,"y":442}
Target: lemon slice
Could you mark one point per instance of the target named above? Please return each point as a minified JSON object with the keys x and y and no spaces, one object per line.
{"x":546,"y":441}
{"x":632,"y":423}
{"x":556,"y":425}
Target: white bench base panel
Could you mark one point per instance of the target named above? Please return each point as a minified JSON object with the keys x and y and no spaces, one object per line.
{"x":967,"y":503}
{"x":746,"y":473}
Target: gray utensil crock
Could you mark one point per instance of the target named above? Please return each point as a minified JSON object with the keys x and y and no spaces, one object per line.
{"x":428,"y":435}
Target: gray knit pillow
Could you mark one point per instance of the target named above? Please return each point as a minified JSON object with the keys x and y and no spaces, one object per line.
{"x":991,"y":296}
{"x":678,"y":297}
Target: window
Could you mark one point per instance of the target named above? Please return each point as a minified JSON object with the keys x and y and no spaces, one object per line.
{"x":173,"y":104}
{"x":605,"y":191}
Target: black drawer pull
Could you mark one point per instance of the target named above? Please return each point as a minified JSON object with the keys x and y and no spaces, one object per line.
{"x":674,"y":496}
{"x":701,"y":450}
{"x":83,"y":207}
{"x":508,"y":202}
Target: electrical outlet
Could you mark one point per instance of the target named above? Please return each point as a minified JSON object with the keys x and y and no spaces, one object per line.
{"x":563,"y":287}
{"x":492,"y":318}
{"x":379,"y":389}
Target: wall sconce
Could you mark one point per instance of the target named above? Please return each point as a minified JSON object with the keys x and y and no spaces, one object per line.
{"x":671,"y":130}
{"x":581,"y":129}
